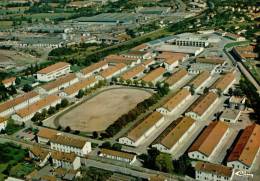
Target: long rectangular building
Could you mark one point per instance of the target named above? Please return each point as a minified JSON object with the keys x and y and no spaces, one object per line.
{"x":28,"y":112}
{"x":176,"y":136}
{"x":53,"y":71}
{"x":200,"y":80}
{"x":246,"y":153}
{"x":133,"y":73}
{"x":202,"y":106}
{"x":96,"y":67}
{"x":73,"y":90}
{"x":175,"y":102}
{"x":176,"y":77}
{"x":70,"y":145}
{"x":118,"y":155}
{"x":60,"y":83}
{"x":224,"y":82}
{"x":213,"y":172}
{"x":11,"y":106}
{"x":143,"y":130}
{"x":154,"y":75}
{"x":113,"y":71}
{"x":205,"y":145}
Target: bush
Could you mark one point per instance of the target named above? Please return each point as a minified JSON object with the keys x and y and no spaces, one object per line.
{"x":106,"y":144}
{"x":64,"y":103}
{"x":67,"y":129}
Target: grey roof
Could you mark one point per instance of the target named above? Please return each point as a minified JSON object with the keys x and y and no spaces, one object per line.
{"x":109,"y":17}
{"x":42,"y":40}
{"x":230,"y":114}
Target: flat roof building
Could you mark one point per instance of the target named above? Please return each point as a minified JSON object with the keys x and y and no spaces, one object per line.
{"x":118,"y":155}
{"x":194,"y":51}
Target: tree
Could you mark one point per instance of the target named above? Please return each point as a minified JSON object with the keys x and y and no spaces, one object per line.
{"x":44,"y":113}
{"x":57,"y":107}
{"x":117,"y":146}
{"x":143,"y":83}
{"x":150,"y":84}
{"x":12,"y":90}
{"x":51,"y":110}
{"x":64,"y":103}
{"x":128,"y":82}
{"x":27,"y":88}
{"x":106,"y":144}
{"x":192,"y":89}
{"x":18,"y":81}
{"x":230,"y":91}
{"x":36,"y":117}
{"x":135,"y":82}
{"x":67,"y":129}
{"x":80,"y":94}
{"x":95,"y":134}
{"x":206,"y":90}
{"x":164,"y":162}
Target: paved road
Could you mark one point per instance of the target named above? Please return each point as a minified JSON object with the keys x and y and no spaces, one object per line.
{"x":142,"y":173}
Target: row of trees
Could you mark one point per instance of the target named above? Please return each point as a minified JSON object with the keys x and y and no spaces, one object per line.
{"x":40,"y":116}
{"x":156,"y":160}
{"x":141,"y":107}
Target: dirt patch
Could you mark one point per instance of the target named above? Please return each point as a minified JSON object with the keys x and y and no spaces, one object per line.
{"x":99,"y":112}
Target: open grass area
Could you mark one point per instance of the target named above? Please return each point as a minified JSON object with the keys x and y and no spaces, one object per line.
{"x":102,"y":110}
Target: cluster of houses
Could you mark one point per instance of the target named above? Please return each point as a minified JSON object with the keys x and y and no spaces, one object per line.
{"x":65,"y":151}
{"x":68,"y":152}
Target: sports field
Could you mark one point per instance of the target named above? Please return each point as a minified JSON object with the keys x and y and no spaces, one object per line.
{"x":102,"y":110}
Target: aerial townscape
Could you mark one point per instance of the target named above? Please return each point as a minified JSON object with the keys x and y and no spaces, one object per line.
{"x":129,"y":90}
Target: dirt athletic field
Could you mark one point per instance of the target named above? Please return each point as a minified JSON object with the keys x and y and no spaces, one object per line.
{"x":99,"y":112}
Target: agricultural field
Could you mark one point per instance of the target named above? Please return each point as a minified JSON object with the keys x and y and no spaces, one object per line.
{"x":102,"y":110}
{"x":19,"y":58}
